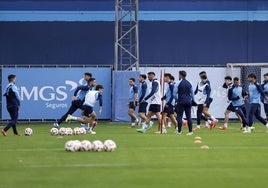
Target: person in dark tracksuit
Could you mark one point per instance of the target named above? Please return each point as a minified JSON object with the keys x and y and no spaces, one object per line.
{"x":255,"y":92}
{"x":184,"y":95}
{"x":13,"y":104}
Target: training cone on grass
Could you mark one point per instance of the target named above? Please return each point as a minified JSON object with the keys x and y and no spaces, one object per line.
{"x":204,"y":147}
{"x":197,"y":138}
{"x":197,"y":141}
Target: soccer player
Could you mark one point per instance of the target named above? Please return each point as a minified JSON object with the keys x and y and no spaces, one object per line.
{"x":206,"y":113}
{"x":184,"y":95}
{"x":202,"y":98}
{"x":77,"y":100}
{"x":169,"y":101}
{"x":228,"y":84}
{"x":13,"y":104}
{"x":265,"y":89}
{"x":89,"y":116}
{"x":154,"y":98}
{"x":255,"y":92}
{"x":142,"y":92}
{"x":237,"y":96}
{"x":132,"y":102}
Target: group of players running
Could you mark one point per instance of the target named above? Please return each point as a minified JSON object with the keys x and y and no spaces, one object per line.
{"x":149,"y":93}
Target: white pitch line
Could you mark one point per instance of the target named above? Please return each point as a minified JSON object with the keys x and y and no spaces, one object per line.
{"x":81,"y":165}
{"x":196,"y":147}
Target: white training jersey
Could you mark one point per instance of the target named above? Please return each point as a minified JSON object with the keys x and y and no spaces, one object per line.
{"x":91,"y":98}
{"x":156,"y":97}
{"x":201,"y":96}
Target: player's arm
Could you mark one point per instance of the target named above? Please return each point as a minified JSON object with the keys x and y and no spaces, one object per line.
{"x":143,"y":92}
{"x":135,"y":90}
{"x":208,"y":89}
{"x":175,"y":91}
{"x":196,"y":89}
{"x":16,"y":91}
{"x":225,"y":86}
{"x":230,"y":95}
{"x":260,"y":90}
{"x":154,"y":87}
{"x":244,"y":94}
{"x":100,"y":102}
{"x":171,"y":88}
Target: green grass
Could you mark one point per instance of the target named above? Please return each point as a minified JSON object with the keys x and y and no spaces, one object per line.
{"x":141,"y":160}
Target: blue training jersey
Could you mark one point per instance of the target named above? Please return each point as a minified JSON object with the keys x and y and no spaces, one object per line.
{"x":255,"y":92}
{"x":236,"y":94}
{"x":132,"y":91}
{"x":143,"y":91}
{"x":169,"y":94}
{"x":265,"y":90}
{"x":12,"y":95}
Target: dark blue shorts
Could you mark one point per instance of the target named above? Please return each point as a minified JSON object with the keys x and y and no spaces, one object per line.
{"x":231,"y":107}
{"x":169,"y":110}
{"x":209,"y":102}
{"x":143,"y":107}
{"x":131,"y":105}
{"x":155,"y":108}
{"x":266,"y":108}
{"x":87,"y":110}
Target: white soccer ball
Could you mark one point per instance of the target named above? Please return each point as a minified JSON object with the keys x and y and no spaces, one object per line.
{"x":28,"y":131}
{"x":69,"y":131}
{"x":82,"y":130}
{"x":62,"y":131}
{"x":77,"y":145}
{"x":85,"y":145}
{"x":97,"y":146}
{"x":77,"y":131}
{"x":69,"y":146}
{"x":109,"y":145}
{"x":54,"y":131}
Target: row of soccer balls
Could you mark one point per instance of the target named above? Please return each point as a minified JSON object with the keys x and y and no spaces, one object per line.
{"x":86,"y":145}
{"x":68,"y":131}
{"x":62,"y":131}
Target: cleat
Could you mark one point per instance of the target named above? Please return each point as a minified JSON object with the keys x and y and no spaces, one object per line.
{"x":69,"y":118}
{"x":91,"y":132}
{"x":212,"y":125}
{"x":190,"y":134}
{"x":164,"y":131}
{"x":178,"y":133}
{"x":196,"y":129}
{"x":245,"y":130}
{"x":252,"y":128}
{"x":185,"y":123}
{"x":84,"y":126}
{"x":206,"y":127}
{"x":150,"y":125}
{"x":17,"y":134}
{"x":141,"y":130}
{"x":56,"y":125}
{"x":223,"y":128}
{"x":168,"y":126}
{"x":4,"y":133}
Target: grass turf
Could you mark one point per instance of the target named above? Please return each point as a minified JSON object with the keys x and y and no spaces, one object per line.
{"x":141,"y":160}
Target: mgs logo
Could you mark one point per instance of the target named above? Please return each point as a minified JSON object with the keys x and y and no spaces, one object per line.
{"x":50,"y":93}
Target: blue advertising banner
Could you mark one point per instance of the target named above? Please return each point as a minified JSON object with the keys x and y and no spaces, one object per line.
{"x":46,"y":92}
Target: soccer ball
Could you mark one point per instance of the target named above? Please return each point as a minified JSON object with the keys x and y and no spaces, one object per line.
{"x":54,"y":131}
{"x":82,"y":130}
{"x":77,"y":131}
{"x":85,"y":145}
{"x":69,"y":131}
{"x":77,"y":145}
{"x":62,"y":131}
{"x":69,"y":146}
{"x":109,"y":145}
{"x":28,"y":132}
{"x":97,"y":146}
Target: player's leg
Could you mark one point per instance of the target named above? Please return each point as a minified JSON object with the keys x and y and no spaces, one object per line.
{"x":199,"y":116}
{"x":266,"y":111}
{"x":14,"y":119}
{"x":142,"y":112}
{"x":179,"y":111}
{"x":258,"y":116}
{"x":13,"y":112}
{"x":252,"y":111}
{"x":148,"y":123}
{"x":70,"y":111}
{"x":131,"y":113}
{"x":240,"y":113}
{"x":187,"y":109}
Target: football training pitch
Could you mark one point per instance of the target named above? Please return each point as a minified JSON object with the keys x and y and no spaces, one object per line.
{"x":141,"y":160}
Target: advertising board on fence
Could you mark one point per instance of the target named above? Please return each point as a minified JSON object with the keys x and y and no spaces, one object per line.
{"x":46,"y":92}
